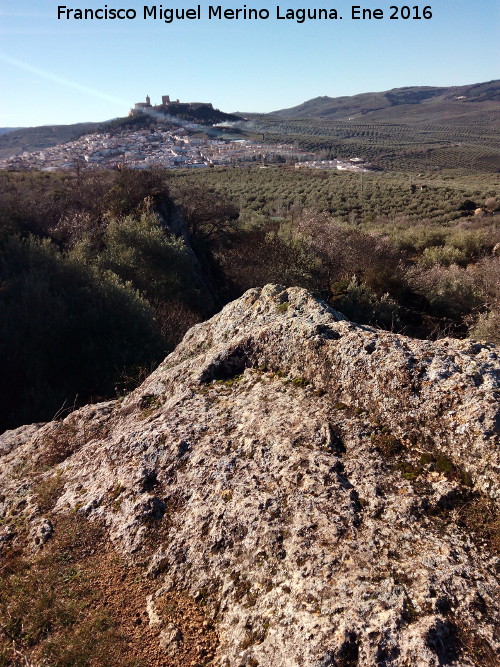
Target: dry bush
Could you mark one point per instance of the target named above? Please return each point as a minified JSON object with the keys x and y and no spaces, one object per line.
{"x":345,"y":252}
{"x":174,"y":319}
{"x":209,"y":216}
{"x":452,"y":292}
{"x":487,"y":327}
{"x":55,"y":447}
{"x":491,"y":203}
{"x":131,"y":187}
{"x":487,"y":272}
{"x":487,"y":324}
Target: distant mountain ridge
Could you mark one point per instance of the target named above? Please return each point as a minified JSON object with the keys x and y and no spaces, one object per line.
{"x":37,"y":138}
{"x":409,"y":103}
{"x":6,"y":130}
{"x":470,"y":106}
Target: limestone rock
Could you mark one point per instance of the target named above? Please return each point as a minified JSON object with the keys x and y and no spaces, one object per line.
{"x":41,"y":532}
{"x":9,"y":440}
{"x":170,"y":638}
{"x":311,"y":482}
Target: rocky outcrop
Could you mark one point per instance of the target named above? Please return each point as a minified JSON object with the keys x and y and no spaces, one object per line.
{"x":171,"y":220}
{"x":326,"y":492}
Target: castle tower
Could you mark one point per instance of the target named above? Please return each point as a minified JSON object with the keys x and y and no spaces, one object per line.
{"x":148,"y":101}
{"x":165,"y":100}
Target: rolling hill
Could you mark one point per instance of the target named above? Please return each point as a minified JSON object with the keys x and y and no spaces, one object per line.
{"x":473,"y":102}
{"x":36,"y":138}
{"x":6,"y":130}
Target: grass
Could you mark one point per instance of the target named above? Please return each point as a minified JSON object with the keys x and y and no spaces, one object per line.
{"x":115,"y":494}
{"x":48,"y":491}
{"x":59,"y":444}
{"x":476,"y":646}
{"x":479,"y":515}
{"x":148,"y":404}
{"x":149,"y":401}
{"x":77,"y":604}
{"x":434,"y":462}
{"x":472,"y":510}
{"x":387,"y":444}
{"x":230,"y":382}
{"x":51,"y":606}
{"x":299,"y":382}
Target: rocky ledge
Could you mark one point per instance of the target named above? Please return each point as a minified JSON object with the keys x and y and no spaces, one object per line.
{"x":325,"y":492}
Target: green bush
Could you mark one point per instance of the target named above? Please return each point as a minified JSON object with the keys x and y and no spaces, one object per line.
{"x":67,"y":332}
{"x":416,"y":238}
{"x":452,"y":292}
{"x":441,"y":255}
{"x":472,"y":242}
{"x":361,"y":304}
{"x":139,"y":251}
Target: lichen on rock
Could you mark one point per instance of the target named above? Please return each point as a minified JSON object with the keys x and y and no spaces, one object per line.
{"x":325,"y":492}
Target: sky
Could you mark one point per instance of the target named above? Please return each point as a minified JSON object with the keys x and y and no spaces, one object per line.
{"x":60,"y":71}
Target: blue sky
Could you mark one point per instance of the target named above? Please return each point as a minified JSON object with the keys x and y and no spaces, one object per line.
{"x":59,"y":71}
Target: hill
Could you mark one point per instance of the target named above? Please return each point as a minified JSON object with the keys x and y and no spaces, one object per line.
{"x":36,"y":138}
{"x":287,"y":488}
{"x":203,"y":114}
{"x":472,"y":102}
{"x":412,"y":129}
{"x":29,"y":139}
{"x":6,"y":130}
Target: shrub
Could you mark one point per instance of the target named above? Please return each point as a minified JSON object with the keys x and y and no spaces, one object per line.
{"x":344,"y":252}
{"x":131,"y":187}
{"x":255,"y":258}
{"x":441,"y":255}
{"x":360,"y":304}
{"x":140,"y":252}
{"x":487,"y":327}
{"x":487,"y":324}
{"x":416,"y":238}
{"x":209,"y":216}
{"x":491,"y":203}
{"x":487,"y":272}
{"x":67,"y":332}
{"x":472,"y":243}
{"x":450,"y":291}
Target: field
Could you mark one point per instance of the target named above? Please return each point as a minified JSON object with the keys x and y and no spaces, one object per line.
{"x":360,"y":198}
{"x":471,"y":147}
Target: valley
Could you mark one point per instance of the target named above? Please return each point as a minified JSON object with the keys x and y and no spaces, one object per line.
{"x":251,"y":375}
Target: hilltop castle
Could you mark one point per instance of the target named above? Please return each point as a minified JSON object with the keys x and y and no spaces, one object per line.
{"x":167,"y":105}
